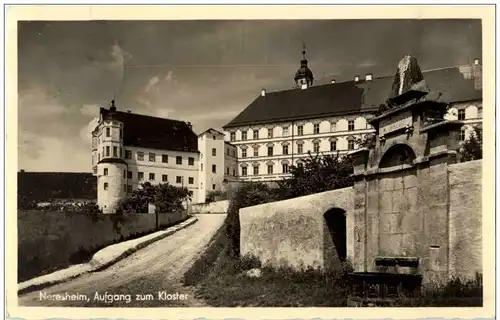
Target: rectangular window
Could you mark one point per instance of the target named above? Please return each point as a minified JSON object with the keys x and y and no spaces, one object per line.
{"x":214,"y":168}
{"x":105,"y":186}
{"x":121,"y":133}
{"x":178,"y":179}
{"x":316,"y":147}
{"x":255,"y":170}
{"x":270,"y":169}
{"x":213,"y":187}
{"x":233,"y":153}
{"x":316,"y":128}
{"x":105,"y":171}
{"x":227,"y":170}
{"x":214,"y":138}
{"x":107,"y":151}
{"x":164,"y":178}
{"x":243,"y":136}
{"x":178,"y":160}
{"x":350,"y":125}
{"x":255,"y":152}
{"x":333,"y":145}
{"x":152,"y":157}
{"x":191,"y":180}
{"x":285,"y":149}
{"x":300,"y":148}
{"x":270,"y":133}
{"x":285,"y":168}
{"x":461,"y":114}
{"x":256,"y":134}
{"x":129,"y":188}
{"x":108,"y":132}
{"x":164,"y":158}
{"x":140,"y":156}
{"x":350,"y":144}
{"x":214,"y":152}
{"x":124,"y":188}
{"x":300,"y":130}
{"x":202,"y":167}
{"x":244,"y":153}
{"x":269,"y":151}
{"x":285,"y":131}
{"x":244,"y":171}
{"x":129,"y":174}
{"x":191,"y":161}
{"x":124,"y":174}
{"x":115,"y":151}
{"x":151,"y":176}
{"x":333,"y":127}
{"x":462,"y":135}
{"x":128,"y":154}
{"x":140,"y":175}
{"x":232,"y":136}
{"x":234,"y":172}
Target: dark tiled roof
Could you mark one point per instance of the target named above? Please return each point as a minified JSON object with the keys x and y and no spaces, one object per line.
{"x":155,"y":133}
{"x":334,"y":99}
{"x":62,"y":185}
{"x":211,"y":130}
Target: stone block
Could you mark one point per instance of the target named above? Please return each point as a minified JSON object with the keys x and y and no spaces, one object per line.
{"x":359,"y":201}
{"x":410,"y":199}
{"x":385,"y":202}
{"x":409,"y":246}
{"x":438,"y":258}
{"x":397,"y":201}
{"x":372,"y":185}
{"x":389,"y":223}
{"x":372,"y":202}
{"x":390,"y":244}
{"x":398,"y":181}
{"x":436,"y":225}
{"x":438,"y":194}
{"x":386,"y":183}
{"x":359,"y":187}
{"x":411,"y":221}
{"x":410,"y":180}
{"x":423,"y":174}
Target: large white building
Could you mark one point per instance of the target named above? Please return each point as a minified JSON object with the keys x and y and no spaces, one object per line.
{"x":129,"y":149}
{"x":274,"y":132}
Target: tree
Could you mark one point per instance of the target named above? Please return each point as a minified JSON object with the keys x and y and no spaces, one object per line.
{"x":164,"y":196}
{"x":472,"y":149}
{"x":317,"y":174}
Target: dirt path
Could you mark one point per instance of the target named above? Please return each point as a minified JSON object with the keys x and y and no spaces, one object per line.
{"x":157,"y":268}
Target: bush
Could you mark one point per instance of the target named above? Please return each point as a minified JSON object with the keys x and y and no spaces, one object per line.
{"x":164,"y":196}
{"x":472,"y":149}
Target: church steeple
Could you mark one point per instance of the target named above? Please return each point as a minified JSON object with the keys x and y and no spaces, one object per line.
{"x":304,"y":76}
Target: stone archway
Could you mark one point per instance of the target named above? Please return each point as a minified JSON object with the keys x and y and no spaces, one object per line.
{"x":335,"y":238}
{"x":397,"y":155}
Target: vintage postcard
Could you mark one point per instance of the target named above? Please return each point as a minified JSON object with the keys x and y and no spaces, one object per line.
{"x":250,"y":161}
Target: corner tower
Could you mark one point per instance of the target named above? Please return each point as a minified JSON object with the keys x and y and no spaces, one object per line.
{"x":111,"y":167}
{"x":304,"y":76}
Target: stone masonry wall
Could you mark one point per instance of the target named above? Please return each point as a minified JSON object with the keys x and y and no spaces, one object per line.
{"x":292,"y":232}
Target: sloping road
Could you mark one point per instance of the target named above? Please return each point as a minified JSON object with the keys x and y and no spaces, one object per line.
{"x":154,"y":272}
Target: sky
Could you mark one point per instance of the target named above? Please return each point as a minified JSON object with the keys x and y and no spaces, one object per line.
{"x":205,"y":72}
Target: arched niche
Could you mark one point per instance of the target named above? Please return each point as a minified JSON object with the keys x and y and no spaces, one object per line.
{"x":397,"y":155}
{"x":335,"y":220}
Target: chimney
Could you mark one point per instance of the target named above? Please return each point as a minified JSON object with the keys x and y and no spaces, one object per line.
{"x":369,"y":77}
{"x":113,"y":107}
{"x":263,"y":92}
{"x":356,"y":78}
{"x":22,"y":170}
{"x":129,"y":111}
{"x":333,"y":81}
{"x":189,"y":125}
{"x":476,"y":62}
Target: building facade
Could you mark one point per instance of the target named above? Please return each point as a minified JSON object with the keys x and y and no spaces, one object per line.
{"x":130,"y":149}
{"x":279,"y":129}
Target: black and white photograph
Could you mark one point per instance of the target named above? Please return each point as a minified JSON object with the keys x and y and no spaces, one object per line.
{"x":227,"y":162}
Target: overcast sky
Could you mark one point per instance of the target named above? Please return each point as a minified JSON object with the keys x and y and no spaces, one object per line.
{"x":205,"y":72}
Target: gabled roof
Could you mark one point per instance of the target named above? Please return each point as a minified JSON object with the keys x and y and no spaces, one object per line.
{"x":156,"y":133}
{"x":210,"y":130}
{"x":451,"y":85}
{"x":62,"y":185}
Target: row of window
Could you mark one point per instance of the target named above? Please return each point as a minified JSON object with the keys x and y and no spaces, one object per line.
{"x":140,"y":176}
{"x":270,"y":169}
{"x":286,"y":131}
{"x":300,"y":148}
{"x":152,"y":157}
